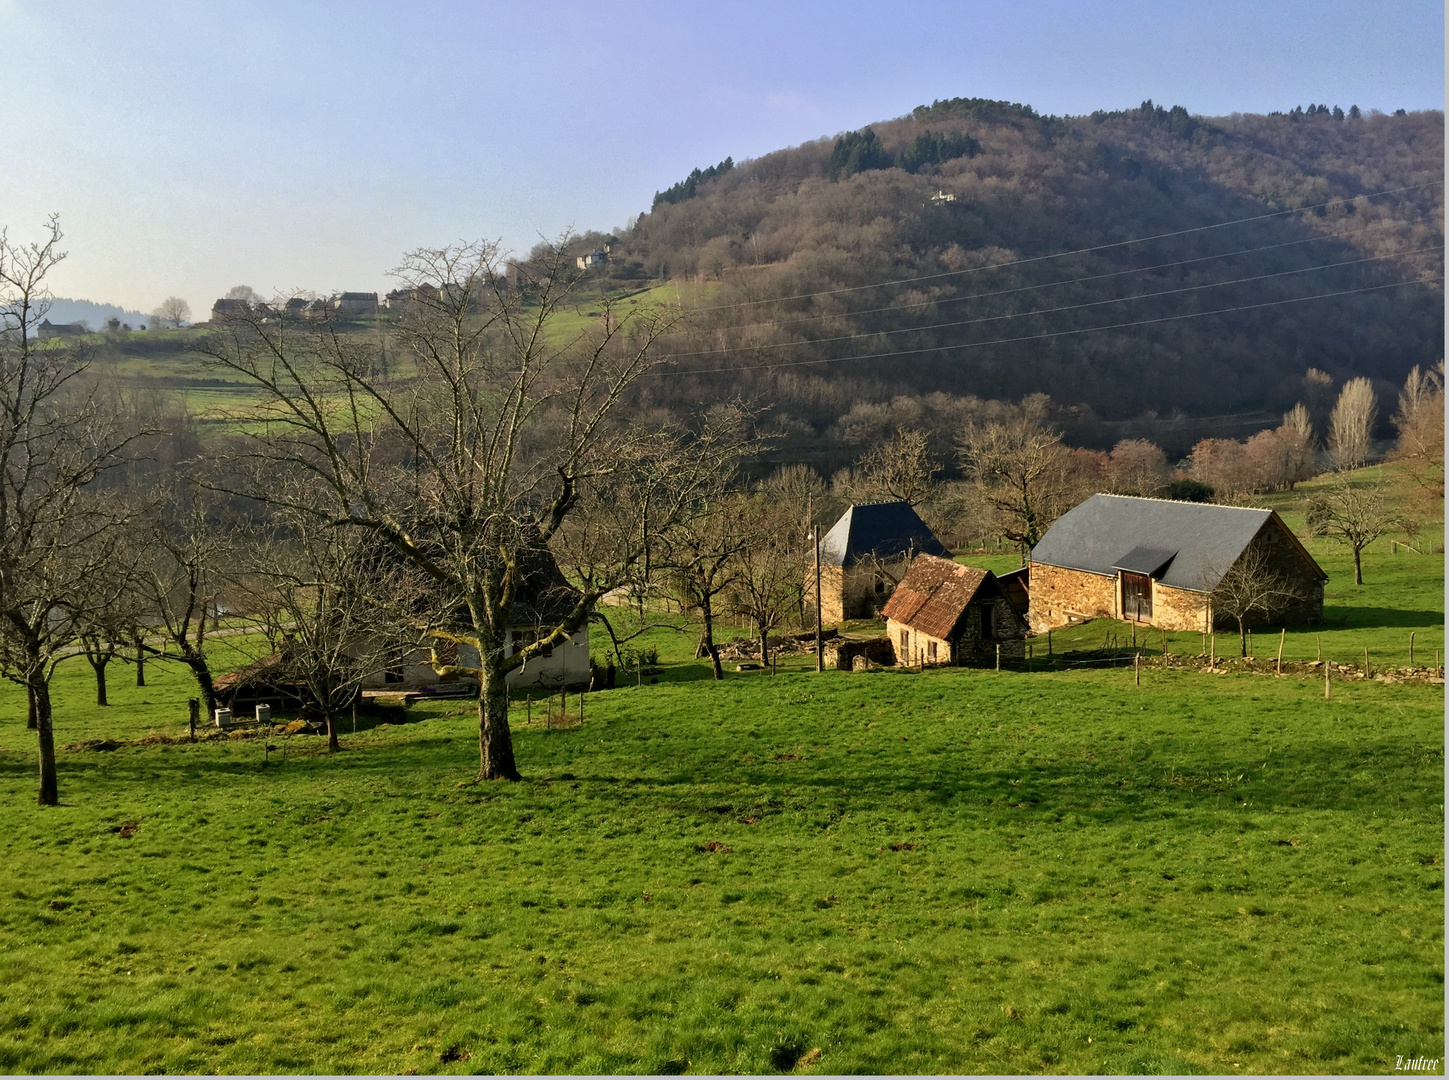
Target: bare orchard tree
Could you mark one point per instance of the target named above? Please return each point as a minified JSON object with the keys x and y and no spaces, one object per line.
{"x":1355,"y":514}
{"x":1351,"y":425}
{"x":109,"y":611}
{"x":1251,"y":588}
{"x":771,"y":567}
{"x":703,"y":559}
{"x":335,"y":602}
{"x":478,"y":448}
{"x":180,"y":582}
{"x":59,"y":432}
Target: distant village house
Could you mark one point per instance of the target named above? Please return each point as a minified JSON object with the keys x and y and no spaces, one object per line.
{"x":356,"y":303}
{"x":1158,"y":562}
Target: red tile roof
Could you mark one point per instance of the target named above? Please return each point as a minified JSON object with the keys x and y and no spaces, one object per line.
{"x":933,"y":595}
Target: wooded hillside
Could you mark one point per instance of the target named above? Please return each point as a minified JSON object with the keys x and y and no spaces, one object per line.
{"x":1017,"y":277}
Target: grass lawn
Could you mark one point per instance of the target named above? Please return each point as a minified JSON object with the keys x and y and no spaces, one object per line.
{"x":884,"y":872}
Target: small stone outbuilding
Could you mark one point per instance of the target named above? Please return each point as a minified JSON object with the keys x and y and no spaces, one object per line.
{"x":863,"y":556}
{"x":1157,"y":562}
{"x":946,"y":613}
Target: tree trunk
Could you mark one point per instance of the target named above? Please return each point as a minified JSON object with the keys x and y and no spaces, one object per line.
{"x":202,"y":673}
{"x":495,"y":741}
{"x":1357,"y":566}
{"x":99,"y":667}
{"x":764,"y":646}
{"x":1242,"y":638}
{"x":49,"y":794}
{"x":30,"y":723}
{"x":709,"y":646}
{"x":140,"y":663}
{"x":331,"y":717}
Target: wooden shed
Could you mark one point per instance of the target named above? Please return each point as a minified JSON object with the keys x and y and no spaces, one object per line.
{"x":1158,"y":562}
{"x":946,"y":613}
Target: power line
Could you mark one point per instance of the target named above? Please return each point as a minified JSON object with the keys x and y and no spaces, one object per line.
{"x":1043,"y":336}
{"x":941,"y":302}
{"x":1065,"y":254}
{"x":1054,"y":310}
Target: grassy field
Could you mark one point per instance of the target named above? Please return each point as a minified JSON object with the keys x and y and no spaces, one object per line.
{"x":884,"y":872}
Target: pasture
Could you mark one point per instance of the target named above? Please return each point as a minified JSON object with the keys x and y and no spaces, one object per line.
{"x":953,"y":871}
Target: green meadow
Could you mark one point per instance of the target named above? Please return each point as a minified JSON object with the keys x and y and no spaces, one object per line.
{"x":951,"y":871}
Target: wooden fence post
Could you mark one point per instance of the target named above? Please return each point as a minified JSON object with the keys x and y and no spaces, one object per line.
{"x":1049,"y":643}
{"x":1282,"y":635}
{"x":1136,"y":669}
{"x":1365,"y":662}
{"x":1327,"y":681}
{"x":193,"y":709}
{"x":1318,"y":642}
{"x":1212,"y":650}
{"x":998,"y":656}
{"x":1411,"y":648}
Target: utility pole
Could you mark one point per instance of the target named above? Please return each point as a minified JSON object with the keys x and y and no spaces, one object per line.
{"x":819,"y":633}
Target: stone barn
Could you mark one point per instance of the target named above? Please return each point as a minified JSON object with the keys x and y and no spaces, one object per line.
{"x":946,"y":613}
{"x":1158,"y":562}
{"x":863,"y":556}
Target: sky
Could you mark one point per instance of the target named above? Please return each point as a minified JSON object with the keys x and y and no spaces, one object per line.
{"x":191,"y":147}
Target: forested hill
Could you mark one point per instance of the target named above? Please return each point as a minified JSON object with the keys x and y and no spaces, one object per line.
{"x":966,"y":208}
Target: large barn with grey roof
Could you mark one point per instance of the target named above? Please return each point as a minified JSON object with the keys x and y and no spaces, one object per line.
{"x":1158,"y":562}
{"x":865,"y":553}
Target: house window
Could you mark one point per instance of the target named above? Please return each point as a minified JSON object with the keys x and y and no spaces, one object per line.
{"x":1136,"y":596}
{"x":986,"y":628}
{"x":393,"y":673}
{"x":517,"y":640}
{"x":905,"y":642}
{"x":931,"y":651}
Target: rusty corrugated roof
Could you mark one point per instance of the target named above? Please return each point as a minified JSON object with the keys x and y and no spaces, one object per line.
{"x":934,"y":594}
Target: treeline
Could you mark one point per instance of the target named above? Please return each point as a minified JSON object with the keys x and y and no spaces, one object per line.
{"x":833,"y":272}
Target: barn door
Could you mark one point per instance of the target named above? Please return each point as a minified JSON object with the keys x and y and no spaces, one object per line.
{"x":1136,"y":596}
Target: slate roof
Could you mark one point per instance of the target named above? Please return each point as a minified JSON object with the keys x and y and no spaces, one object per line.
{"x":887,"y":530}
{"x":1193,"y":544}
{"x":934,"y":594}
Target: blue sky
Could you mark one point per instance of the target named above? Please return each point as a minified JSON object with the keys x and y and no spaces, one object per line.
{"x":194,"y":146}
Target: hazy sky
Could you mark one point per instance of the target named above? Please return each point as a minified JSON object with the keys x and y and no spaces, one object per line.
{"x":190,"y":147}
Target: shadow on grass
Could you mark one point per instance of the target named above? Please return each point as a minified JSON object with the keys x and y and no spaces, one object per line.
{"x":1336,"y":617}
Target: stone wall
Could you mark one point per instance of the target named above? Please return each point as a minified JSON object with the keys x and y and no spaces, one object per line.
{"x":1058,"y":595}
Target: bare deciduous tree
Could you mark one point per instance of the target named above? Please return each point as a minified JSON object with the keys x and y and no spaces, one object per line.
{"x":1137,"y":467}
{"x":333,"y":602}
{"x":482,"y":450}
{"x":900,"y":468}
{"x":1017,"y":465}
{"x":1420,"y":423}
{"x":59,"y":432}
{"x":704,"y":559}
{"x":1351,"y":425}
{"x":173,"y":312}
{"x":771,"y":567}
{"x":1355,"y":514}
{"x":1251,"y":587}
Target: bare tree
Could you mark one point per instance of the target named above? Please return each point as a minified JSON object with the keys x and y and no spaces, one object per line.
{"x":1299,"y":441}
{"x":1137,"y":467}
{"x":173,"y":312}
{"x":1351,"y":426}
{"x":59,"y":432}
{"x":704,"y":561}
{"x":1420,"y":423}
{"x":1018,"y":466}
{"x":1251,"y":587}
{"x":1356,"y":515}
{"x":900,"y":468}
{"x":333,"y":601}
{"x":481,"y":451}
{"x":771,"y":566}
{"x":180,"y":584}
